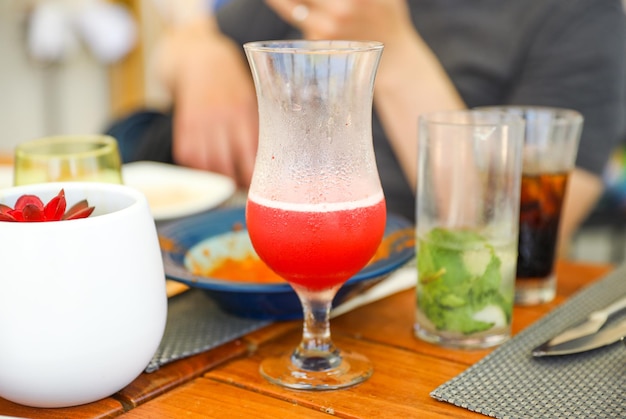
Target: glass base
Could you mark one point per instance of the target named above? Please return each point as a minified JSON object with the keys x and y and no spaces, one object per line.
{"x":352,"y":369}
{"x":533,"y":291}
{"x":461,"y":341}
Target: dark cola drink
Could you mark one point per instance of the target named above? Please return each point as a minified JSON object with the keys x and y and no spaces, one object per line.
{"x":540,"y":212}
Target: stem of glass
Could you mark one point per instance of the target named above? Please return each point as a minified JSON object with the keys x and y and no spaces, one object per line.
{"x":316,"y":351}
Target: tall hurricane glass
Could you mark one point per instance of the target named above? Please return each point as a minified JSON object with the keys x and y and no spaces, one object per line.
{"x":316,"y":210}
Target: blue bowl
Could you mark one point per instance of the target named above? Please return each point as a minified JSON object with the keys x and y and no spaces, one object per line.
{"x":223,"y":233}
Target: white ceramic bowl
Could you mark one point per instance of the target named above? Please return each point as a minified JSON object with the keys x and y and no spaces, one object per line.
{"x":83,"y":302}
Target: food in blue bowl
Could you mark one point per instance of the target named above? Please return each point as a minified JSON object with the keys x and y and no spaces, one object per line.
{"x":212,"y":251}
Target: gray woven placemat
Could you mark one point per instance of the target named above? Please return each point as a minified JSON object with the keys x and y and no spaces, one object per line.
{"x":510,"y":383}
{"x":196,"y":324}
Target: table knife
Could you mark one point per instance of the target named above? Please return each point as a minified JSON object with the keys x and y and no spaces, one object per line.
{"x":586,"y":343}
{"x":590,"y":325}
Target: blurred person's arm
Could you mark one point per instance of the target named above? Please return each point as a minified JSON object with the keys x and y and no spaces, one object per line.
{"x":576,"y":60}
{"x":215,"y":115}
{"x":583,"y":192}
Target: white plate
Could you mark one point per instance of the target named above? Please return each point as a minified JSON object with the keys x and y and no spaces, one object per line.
{"x":175,"y":191}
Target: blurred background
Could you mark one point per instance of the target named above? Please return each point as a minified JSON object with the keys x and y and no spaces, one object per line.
{"x":72,"y":66}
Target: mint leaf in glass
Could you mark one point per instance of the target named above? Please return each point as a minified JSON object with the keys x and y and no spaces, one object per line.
{"x":460,"y":281}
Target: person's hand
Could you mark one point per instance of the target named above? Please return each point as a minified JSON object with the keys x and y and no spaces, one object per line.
{"x":385,"y":21}
{"x":215,"y":112}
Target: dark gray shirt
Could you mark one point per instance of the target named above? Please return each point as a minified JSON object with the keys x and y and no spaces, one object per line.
{"x":565,"y":53}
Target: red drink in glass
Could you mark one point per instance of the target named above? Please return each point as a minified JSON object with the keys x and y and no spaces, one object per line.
{"x":316,"y":246}
{"x":316,"y":211}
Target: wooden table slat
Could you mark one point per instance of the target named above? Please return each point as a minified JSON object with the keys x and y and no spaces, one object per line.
{"x":399,"y":387}
{"x":106,"y":408}
{"x":211,"y":399}
{"x":148,"y":386}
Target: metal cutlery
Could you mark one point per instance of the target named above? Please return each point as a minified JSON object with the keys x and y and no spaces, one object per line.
{"x":586,"y":343}
{"x":587,"y":328}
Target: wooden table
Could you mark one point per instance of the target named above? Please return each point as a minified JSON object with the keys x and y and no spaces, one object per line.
{"x":225,"y":382}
